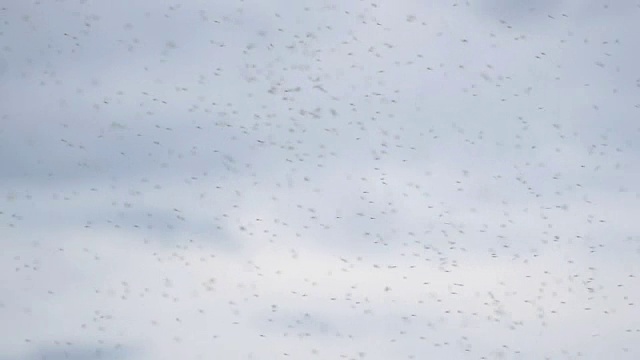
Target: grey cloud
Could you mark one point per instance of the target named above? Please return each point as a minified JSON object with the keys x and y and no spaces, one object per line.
{"x":178,"y":169}
{"x":76,"y":352}
{"x":519,"y":11}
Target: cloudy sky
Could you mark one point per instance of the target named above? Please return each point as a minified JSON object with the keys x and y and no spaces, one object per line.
{"x":319,"y":179}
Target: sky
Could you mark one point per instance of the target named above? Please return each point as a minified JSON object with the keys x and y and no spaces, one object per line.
{"x":319,"y":179}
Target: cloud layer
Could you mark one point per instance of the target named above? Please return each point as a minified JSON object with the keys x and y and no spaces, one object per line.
{"x":370,"y":180}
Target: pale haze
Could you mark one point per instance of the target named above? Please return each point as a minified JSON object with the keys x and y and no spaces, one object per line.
{"x":319,"y":179}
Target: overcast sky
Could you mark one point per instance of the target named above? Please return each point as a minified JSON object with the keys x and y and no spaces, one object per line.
{"x":275,"y":179}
